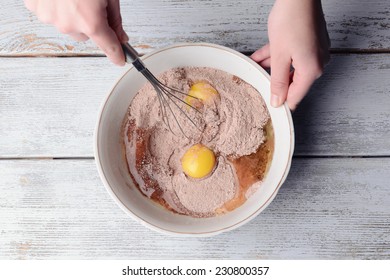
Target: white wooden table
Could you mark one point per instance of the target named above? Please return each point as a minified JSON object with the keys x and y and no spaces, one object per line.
{"x":335,"y":203}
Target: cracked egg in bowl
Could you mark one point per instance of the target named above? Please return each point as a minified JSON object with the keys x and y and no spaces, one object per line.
{"x":216,"y":171}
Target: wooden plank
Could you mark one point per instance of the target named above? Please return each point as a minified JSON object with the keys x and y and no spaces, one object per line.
{"x":347,"y":110}
{"x":48,"y":107}
{"x":358,"y":24}
{"x":242,"y":25}
{"x":327,"y":209}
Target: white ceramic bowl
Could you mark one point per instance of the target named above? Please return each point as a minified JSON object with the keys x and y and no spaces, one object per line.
{"x":112,"y":165}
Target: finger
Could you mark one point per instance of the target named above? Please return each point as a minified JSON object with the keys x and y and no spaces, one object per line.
{"x":46,"y":12}
{"x":107,"y":40}
{"x":30,"y":5}
{"x":301,"y":83}
{"x":80,"y":37}
{"x":261,"y":54}
{"x":266,"y":63}
{"x":115,"y":20}
{"x":280,"y":79}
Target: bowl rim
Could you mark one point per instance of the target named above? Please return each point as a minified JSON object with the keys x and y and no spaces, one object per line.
{"x":180,"y":233}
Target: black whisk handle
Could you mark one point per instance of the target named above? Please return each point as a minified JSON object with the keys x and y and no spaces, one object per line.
{"x":132,"y":56}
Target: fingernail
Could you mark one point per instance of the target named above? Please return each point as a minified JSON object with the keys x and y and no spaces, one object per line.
{"x":275,"y":100}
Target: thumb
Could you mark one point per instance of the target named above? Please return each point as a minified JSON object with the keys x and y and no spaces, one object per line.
{"x":280,"y":79}
{"x":301,"y":83}
{"x":107,"y":40}
{"x":115,"y":20}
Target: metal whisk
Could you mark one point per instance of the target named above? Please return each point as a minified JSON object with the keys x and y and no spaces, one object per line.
{"x":168,"y":97}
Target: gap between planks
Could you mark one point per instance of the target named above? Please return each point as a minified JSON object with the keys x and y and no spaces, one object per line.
{"x":294,"y":157}
{"x":82,"y":55}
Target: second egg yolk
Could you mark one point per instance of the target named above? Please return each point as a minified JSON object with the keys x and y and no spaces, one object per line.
{"x":203,"y":92}
{"x":198,"y":161}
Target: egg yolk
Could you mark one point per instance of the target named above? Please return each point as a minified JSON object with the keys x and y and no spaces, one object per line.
{"x":203,"y":92}
{"x":198,"y":161}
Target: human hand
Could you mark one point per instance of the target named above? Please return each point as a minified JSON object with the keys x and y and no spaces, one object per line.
{"x":99,"y":20}
{"x":298,"y":37}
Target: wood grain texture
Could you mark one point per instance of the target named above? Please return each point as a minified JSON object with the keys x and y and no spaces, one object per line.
{"x":327,"y":209}
{"x":242,"y":25}
{"x":50,"y":109}
{"x":347,"y":110}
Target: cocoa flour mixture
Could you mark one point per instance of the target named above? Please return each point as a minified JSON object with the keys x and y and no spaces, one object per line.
{"x":232,"y":126}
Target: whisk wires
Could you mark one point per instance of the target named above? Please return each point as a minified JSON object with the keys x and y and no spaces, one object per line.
{"x":167,"y":99}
